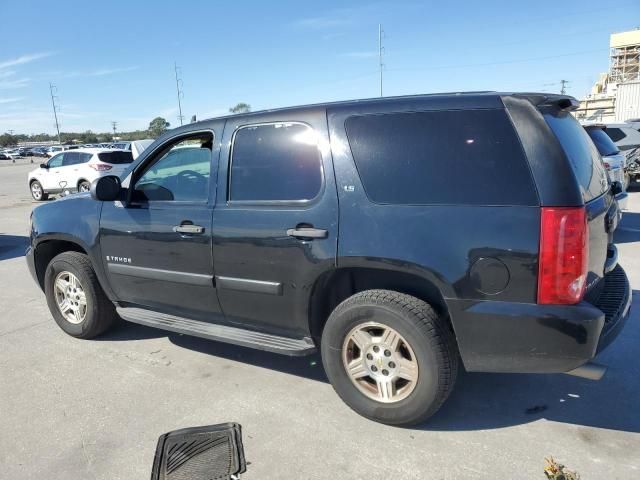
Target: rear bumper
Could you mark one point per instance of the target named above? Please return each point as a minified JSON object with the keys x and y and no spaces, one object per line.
{"x":530,"y":338}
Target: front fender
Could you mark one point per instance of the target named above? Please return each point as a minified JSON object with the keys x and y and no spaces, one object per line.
{"x":74,"y":219}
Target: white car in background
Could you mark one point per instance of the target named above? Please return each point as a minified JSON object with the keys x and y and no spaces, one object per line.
{"x":74,"y":170}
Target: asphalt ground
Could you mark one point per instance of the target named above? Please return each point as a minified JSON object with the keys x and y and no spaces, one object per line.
{"x":74,"y":409}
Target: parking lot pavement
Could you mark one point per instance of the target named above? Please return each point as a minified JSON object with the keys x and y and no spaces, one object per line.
{"x":73,"y":409}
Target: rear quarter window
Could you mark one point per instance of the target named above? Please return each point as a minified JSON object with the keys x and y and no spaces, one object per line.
{"x":116,"y":158}
{"x":470,"y":157}
{"x":583,"y":156}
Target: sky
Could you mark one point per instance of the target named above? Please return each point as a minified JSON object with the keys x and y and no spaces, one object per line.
{"x":114,"y":61}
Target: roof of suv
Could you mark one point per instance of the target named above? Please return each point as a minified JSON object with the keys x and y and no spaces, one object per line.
{"x":469,"y":98}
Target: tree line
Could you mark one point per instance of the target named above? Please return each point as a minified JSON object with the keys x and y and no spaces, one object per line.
{"x":157,"y":127}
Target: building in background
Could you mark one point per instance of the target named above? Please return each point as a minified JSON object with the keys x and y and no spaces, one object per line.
{"x":616,"y":94}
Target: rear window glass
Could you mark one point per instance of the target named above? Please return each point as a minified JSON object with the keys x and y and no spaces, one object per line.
{"x":470,"y":157}
{"x":582,"y":153}
{"x":602,"y":142}
{"x":116,"y":158}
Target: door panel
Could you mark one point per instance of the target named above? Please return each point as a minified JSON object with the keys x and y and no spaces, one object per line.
{"x":51,"y":179}
{"x":156,"y":245}
{"x":264,"y":275}
{"x":150,"y":264}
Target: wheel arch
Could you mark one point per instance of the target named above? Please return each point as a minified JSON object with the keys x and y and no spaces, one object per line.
{"x":47,"y":250}
{"x":335,"y":286}
{"x":80,"y":180}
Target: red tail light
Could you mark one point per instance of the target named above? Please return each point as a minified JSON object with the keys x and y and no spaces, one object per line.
{"x":607,"y":166}
{"x":563,"y":259}
{"x":101,"y":167}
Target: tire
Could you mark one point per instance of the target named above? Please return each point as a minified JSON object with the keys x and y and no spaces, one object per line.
{"x":422,"y":339}
{"x":37,"y":192}
{"x":98,"y":313}
{"x":84,"y":186}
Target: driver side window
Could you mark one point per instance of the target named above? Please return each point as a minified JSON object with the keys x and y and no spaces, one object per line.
{"x":180,"y":172}
{"x":56,"y":161}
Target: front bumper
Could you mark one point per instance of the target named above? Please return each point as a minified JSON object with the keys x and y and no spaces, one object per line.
{"x":530,"y":338}
{"x":29,"y":255}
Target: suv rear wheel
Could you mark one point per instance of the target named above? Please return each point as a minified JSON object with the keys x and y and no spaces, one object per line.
{"x":37,"y":192}
{"x":75,"y":298}
{"x":84,"y":186}
{"x":389,"y":356}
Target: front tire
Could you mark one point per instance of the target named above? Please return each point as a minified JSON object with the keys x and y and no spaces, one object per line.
{"x":37,"y":192}
{"x":389,"y":356}
{"x":75,"y":298}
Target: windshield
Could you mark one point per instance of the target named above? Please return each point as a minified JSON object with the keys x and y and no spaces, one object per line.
{"x":603,"y":143}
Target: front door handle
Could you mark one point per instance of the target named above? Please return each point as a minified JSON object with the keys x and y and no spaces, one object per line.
{"x":307,"y":232}
{"x":188,"y":228}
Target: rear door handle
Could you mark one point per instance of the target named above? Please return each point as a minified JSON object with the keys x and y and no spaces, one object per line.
{"x":188,"y":228}
{"x":307,"y":232}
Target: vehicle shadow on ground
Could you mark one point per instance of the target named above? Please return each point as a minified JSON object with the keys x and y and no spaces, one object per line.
{"x":628,"y":230}
{"x":480,"y":401}
{"x":12,"y":246}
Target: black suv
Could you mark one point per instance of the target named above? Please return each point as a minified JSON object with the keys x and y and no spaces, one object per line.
{"x":398,"y":236}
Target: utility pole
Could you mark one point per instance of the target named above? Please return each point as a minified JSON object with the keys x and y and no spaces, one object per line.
{"x":114,"y":125}
{"x":380,"y":53}
{"x":563,"y":86}
{"x":179,"y":92}
{"x":55,"y":108}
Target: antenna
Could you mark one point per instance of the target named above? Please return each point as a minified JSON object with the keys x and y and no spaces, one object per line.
{"x":55,"y":108}
{"x":380,"y":53}
{"x":563,"y":86}
{"x":179,"y":92}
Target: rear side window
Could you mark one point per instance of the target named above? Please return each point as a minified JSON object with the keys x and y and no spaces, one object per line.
{"x":85,"y":157}
{"x":582,"y":153}
{"x":116,"y":158}
{"x":71,"y":158}
{"x":471,"y":157}
{"x":615,"y":134}
{"x":276,"y":161}
{"x":602,"y":142}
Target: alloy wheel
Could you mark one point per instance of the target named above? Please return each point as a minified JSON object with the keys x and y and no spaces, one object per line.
{"x":380,"y":362}
{"x":70,"y":297}
{"x":36,"y":190}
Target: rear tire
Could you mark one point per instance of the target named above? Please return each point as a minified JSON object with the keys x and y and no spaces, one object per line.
{"x":375,"y":341}
{"x":75,"y":298}
{"x":37,"y":192}
{"x":84,"y":186}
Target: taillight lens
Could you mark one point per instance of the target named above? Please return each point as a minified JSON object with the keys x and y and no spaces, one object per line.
{"x":564,"y":250}
{"x":607,"y":166}
{"x":101,"y":167}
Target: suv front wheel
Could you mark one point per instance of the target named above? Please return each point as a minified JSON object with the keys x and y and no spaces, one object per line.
{"x":75,"y":298}
{"x":389,"y":356}
{"x":37,"y":192}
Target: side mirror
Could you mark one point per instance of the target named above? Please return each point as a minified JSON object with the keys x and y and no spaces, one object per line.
{"x":616,"y":188}
{"x":106,"y":189}
{"x":44,"y":165}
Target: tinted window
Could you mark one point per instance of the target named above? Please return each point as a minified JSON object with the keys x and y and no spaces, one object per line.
{"x":602,"y":141}
{"x":181,"y":173}
{"x":582,"y":153}
{"x":71,"y":158}
{"x":615,"y":134}
{"x":84,"y":157}
{"x":275,"y":162}
{"x":448,"y":157}
{"x":116,"y":158}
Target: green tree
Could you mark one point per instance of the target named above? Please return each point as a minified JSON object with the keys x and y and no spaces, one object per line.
{"x":241,"y":108}
{"x":158,"y":126}
{"x":7,"y":140}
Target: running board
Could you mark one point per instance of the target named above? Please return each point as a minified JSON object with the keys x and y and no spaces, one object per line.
{"x":221,"y":333}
